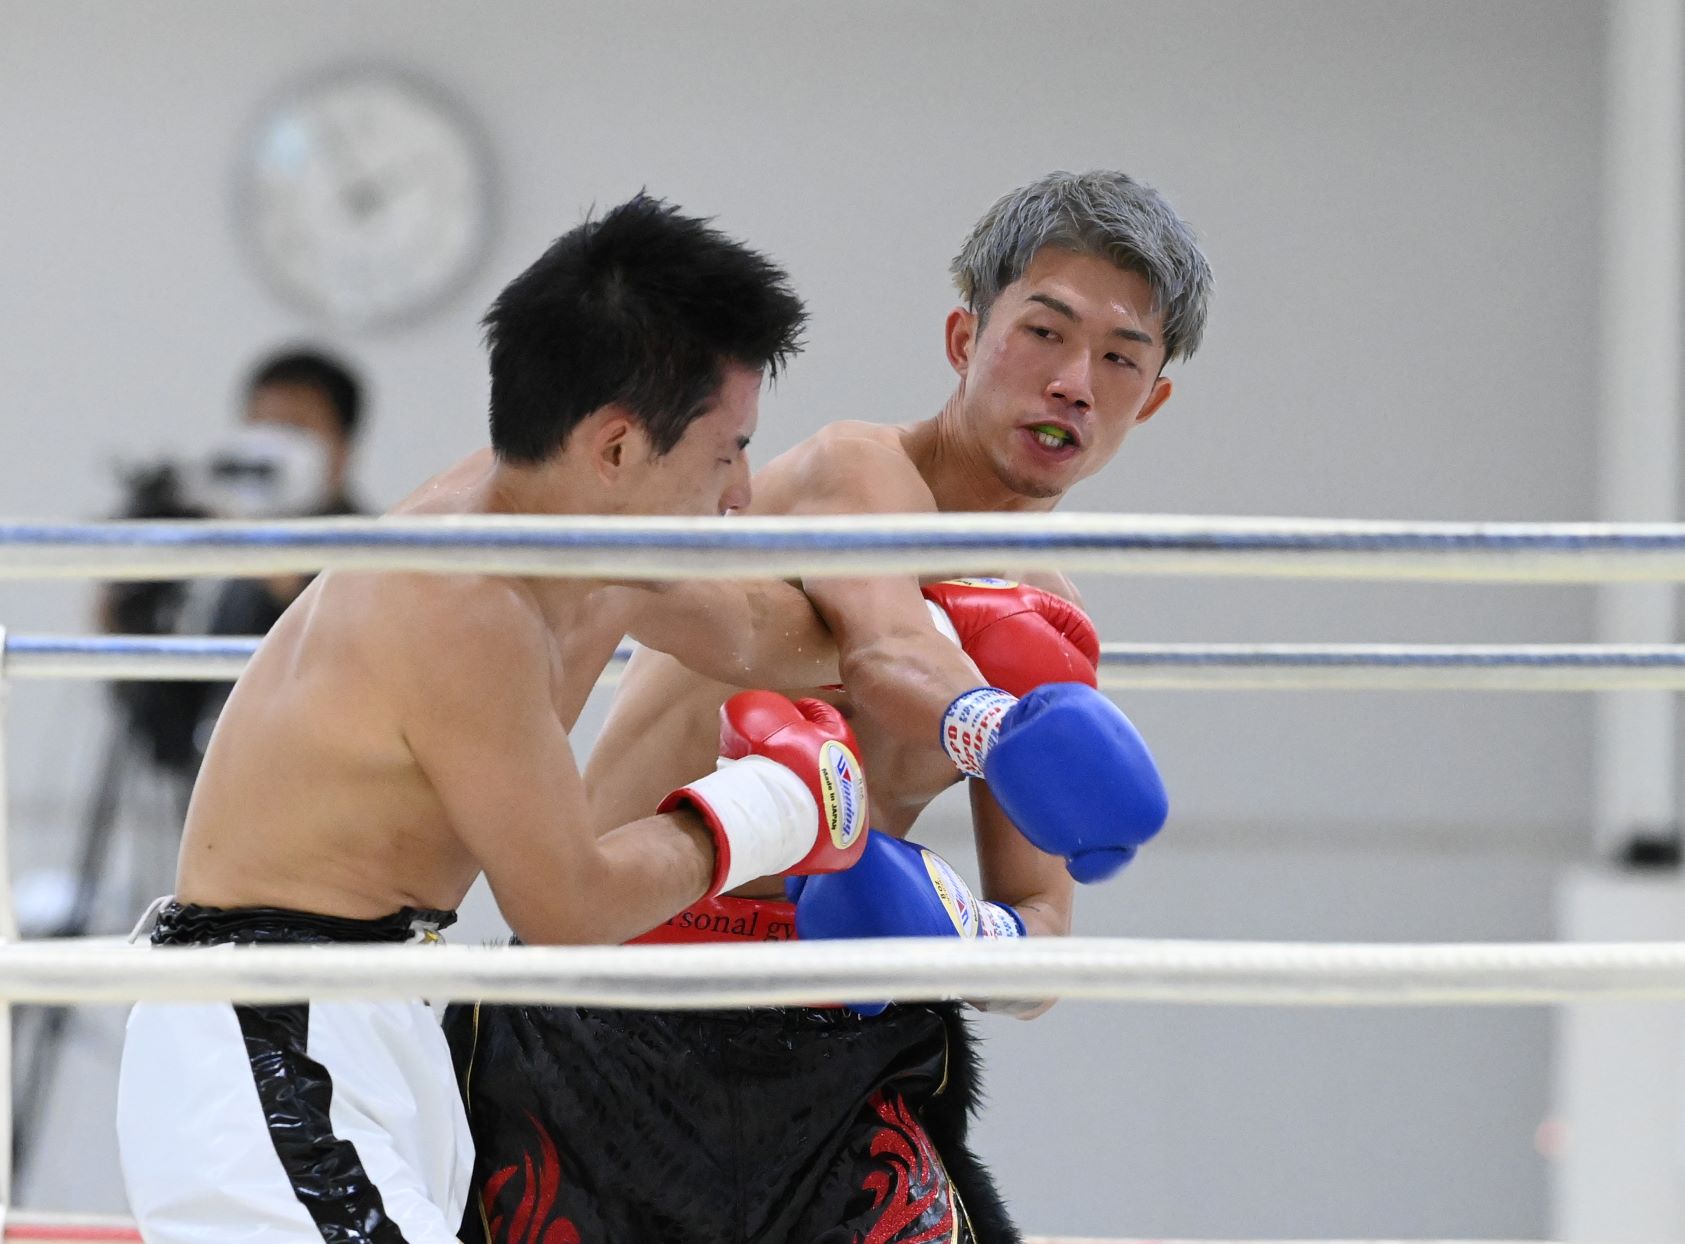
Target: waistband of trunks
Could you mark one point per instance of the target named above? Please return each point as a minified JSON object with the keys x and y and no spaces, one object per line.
{"x":189,"y":924}
{"x":726,"y":919}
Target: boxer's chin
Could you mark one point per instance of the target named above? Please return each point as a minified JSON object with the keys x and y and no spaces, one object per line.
{"x":1035,"y":481}
{"x":1031,"y":469}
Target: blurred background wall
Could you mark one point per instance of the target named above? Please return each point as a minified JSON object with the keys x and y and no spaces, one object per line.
{"x":1401,"y":201}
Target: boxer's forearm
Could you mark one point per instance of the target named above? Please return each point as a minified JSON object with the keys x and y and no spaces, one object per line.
{"x":1043,"y":917}
{"x":784,"y":642}
{"x":746,"y":633}
{"x":905,"y":682}
{"x":656,"y":868}
{"x":1017,"y":1008}
{"x":1016,"y":872}
{"x":624,"y":883}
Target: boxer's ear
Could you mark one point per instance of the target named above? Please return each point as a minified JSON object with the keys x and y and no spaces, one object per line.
{"x":615,"y":442}
{"x":1158,"y":397}
{"x":960,"y":337}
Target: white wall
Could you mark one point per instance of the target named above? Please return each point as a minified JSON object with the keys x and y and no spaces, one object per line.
{"x":1400,"y":201}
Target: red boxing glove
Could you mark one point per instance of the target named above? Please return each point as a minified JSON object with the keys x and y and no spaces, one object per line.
{"x":1020,"y":636}
{"x":788,"y":796}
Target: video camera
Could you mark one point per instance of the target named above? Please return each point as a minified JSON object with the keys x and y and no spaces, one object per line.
{"x":260,"y":471}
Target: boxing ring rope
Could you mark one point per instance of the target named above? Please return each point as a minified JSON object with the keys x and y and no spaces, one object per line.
{"x":1123,"y":666}
{"x":675,"y":548}
{"x":710,"y":975}
{"x":92,"y":970}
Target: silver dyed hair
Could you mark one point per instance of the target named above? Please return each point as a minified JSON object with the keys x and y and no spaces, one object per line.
{"x":1101,"y":213}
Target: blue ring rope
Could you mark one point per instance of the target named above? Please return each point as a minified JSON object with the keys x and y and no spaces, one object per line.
{"x":130,"y":645}
{"x":197,"y":535}
{"x":1585,"y":658}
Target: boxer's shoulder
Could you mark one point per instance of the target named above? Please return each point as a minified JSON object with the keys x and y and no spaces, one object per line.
{"x":846,"y":467}
{"x":413,"y":633}
{"x":847,"y":435}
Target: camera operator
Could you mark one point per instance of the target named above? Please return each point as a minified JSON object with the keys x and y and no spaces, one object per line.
{"x":289,"y":458}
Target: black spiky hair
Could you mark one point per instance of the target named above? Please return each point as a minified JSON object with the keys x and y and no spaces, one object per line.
{"x":642,"y":307}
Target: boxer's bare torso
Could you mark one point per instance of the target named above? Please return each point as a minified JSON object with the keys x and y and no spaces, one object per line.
{"x":312,"y":795}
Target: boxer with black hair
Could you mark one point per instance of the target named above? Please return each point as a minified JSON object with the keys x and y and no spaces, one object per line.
{"x":397,"y":735}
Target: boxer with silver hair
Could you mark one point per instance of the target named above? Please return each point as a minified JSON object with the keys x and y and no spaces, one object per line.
{"x":849,"y":1124}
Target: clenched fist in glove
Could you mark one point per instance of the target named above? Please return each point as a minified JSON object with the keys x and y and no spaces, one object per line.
{"x":789,"y":795}
{"x":1062,"y":760}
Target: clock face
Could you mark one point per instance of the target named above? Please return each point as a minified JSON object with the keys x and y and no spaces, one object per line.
{"x":366,"y":197}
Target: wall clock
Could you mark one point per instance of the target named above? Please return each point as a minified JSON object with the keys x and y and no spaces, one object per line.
{"x":365,"y":196}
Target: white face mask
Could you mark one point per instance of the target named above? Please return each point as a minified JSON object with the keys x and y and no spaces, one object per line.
{"x":265,"y":470}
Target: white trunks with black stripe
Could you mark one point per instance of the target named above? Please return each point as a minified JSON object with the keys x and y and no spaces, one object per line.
{"x":336,"y":1122}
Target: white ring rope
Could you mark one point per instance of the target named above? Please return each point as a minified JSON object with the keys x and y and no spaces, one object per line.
{"x":793,"y":973}
{"x":1383,"y":667}
{"x":1123,"y":666}
{"x":209,"y":658}
{"x":684,"y":547}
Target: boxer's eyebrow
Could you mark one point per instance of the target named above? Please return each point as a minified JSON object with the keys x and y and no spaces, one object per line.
{"x":1065,"y":309}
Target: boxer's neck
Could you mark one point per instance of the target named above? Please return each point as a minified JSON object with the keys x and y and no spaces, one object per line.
{"x":958,"y":469}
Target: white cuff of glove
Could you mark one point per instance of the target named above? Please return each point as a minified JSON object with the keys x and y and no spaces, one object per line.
{"x":765,"y":817}
{"x":972,"y":724}
{"x":943,"y":622}
{"x":998,"y":920}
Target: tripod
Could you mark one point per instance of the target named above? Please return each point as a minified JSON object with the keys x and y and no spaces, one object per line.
{"x":42,"y":1031}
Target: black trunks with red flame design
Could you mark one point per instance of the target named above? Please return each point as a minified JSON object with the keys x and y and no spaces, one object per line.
{"x":761,"y":1126}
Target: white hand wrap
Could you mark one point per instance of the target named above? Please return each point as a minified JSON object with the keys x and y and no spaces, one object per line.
{"x":994,"y":920}
{"x":766,"y":815}
{"x":972,"y":724}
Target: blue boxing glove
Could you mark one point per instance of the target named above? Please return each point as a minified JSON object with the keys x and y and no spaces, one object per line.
{"x":896,"y":889}
{"x":1068,"y":768}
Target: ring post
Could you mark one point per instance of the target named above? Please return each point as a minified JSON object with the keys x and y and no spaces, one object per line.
{"x":1640,"y":380}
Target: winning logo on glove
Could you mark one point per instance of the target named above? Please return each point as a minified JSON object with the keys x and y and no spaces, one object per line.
{"x":954,"y":893}
{"x":843,"y":790}
{"x":1001,"y":584}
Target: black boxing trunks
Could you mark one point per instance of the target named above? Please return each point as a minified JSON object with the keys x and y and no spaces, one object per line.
{"x":332,"y":1121}
{"x":757,"y":1126}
